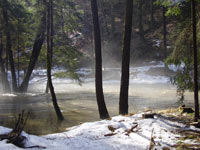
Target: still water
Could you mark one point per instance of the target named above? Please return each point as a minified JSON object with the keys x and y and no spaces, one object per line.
{"x":78,"y":104}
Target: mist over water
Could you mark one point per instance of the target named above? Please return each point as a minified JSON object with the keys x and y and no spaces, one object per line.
{"x":150,"y":88}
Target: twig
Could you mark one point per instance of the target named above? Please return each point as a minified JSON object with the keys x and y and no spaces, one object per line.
{"x":152,"y":142}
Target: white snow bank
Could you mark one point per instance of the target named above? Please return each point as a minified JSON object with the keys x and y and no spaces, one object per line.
{"x":176,"y":68}
{"x":91,"y":136}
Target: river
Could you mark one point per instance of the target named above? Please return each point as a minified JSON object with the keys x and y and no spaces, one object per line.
{"x":78,"y":103}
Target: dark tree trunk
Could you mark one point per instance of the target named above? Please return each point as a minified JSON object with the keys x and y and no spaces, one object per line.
{"x":5,"y":83}
{"x":196,"y":88}
{"x":164,"y":32}
{"x":18,"y":58}
{"x":49,"y":58}
{"x":9,"y":50}
{"x":40,"y":37}
{"x":123,"y":101}
{"x":98,"y":64}
{"x":47,"y":88}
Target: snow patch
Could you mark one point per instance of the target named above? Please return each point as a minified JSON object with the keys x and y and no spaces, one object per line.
{"x":132,"y":132}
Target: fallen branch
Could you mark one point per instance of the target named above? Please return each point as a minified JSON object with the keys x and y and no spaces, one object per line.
{"x":110,"y":134}
{"x":128,"y":131}
{"x":152,"y":142}
{"x":15,"y":136}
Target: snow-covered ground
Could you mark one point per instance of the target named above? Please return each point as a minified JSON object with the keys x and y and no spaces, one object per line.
{"x":119,"y":133}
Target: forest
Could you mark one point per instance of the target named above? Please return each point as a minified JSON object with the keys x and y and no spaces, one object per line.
{"x":99,"y":74}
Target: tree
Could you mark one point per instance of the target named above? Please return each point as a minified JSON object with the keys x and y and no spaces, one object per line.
{"x":49,"y":57}
{"x":186,"y":38}
{"x":40,"y":37}
{"x":98,"y":62}
{"x":9,"y":46}
{"x":123,"y":102}
{"x":164,"y":32}
{"x":196,"y":88}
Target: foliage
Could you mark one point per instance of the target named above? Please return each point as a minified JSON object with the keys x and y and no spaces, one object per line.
{"x":24,"y":18}
{"x":69,"y":74}
{"x":182,"y":54}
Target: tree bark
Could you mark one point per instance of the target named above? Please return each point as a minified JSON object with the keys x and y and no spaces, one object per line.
{"x":39,"y":40}
{"x":164,"y":33}
{"x":98,"y":62}
{"x":123,"y":102}
{"x":9,"y":49}
{"x":49,"y":58}
{"x":196,"y":88}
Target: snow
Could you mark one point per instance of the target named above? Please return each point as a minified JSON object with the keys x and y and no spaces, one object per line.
{"x":92,"y":135}
{"x":137,"y":74}
{"x":9,"y":94}
{"x":157,"y":43}
{"x":176,"y":68}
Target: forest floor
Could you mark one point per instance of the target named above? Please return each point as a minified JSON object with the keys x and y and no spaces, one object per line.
{"x":167,"y":130}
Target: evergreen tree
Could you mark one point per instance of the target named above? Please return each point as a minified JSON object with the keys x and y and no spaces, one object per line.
{"x":9,"y":45}
{"x":37,"y":46}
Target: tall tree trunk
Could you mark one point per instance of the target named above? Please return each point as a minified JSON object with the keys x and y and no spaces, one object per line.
{"x":164,"y":32}
{"x":49,"y":58}
{"x":40,"y":37}
{"x":9,"y":49}
{"x":196,"y":88}
{"x":98,"y":62}
{"x":5,"y":83}
{"x":123,"y":101}
{"x":18,"y":58}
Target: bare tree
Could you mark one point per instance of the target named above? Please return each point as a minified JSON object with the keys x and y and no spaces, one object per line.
{"x":123,"y":101}
{"x":98,"y":62}
{"x":196,"y":88}
{"x":49,"y":57}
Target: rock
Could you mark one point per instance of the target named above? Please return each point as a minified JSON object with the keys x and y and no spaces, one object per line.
{"x":146,"y":116}
{"x":166,"y":148}
{"x":186,"y":110}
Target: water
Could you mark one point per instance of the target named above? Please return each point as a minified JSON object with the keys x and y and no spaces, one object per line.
{"x":78,"y":103}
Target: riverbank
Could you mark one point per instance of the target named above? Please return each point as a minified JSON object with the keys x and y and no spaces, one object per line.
{"x":118,"y":133}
